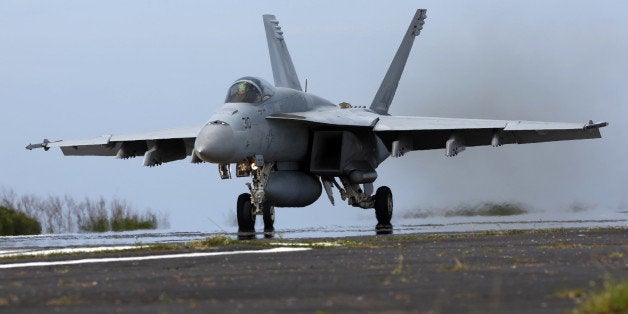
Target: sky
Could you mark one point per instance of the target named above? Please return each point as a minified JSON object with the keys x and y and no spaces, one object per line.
{"x":80,"y":69}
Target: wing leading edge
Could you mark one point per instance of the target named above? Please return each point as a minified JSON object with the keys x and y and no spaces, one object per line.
{"x":157,"y":147}
{"x":402,"y":134}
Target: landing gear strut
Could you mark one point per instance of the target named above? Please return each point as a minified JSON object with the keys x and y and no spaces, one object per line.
{"x":382,"y":201}
{"x":254,"y":203}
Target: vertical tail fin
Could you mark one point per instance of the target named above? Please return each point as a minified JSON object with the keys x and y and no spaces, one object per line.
{"x":283,"y":70}
{"x":387,"y":89}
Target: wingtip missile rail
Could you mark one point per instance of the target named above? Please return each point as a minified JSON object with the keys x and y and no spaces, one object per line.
{"x":43,"y":145}
{"x":592,"y":125}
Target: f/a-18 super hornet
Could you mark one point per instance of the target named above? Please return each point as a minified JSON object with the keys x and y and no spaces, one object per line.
{"x":294,"y":144}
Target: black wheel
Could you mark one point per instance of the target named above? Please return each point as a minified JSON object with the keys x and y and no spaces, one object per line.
{"x":269,"y":217}
{"x":383,"y":207}
{"x":246,"y":219}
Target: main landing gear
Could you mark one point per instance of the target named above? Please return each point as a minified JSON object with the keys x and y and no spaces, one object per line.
{"x":361,"y":197}
{"x":383,"y":209}
{"x":252,"y":204}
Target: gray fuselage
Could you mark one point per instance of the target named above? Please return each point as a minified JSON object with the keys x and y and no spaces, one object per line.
{"x":241,"y":130}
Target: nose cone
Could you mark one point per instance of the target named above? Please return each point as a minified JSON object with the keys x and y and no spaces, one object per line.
{"x":215,"y":143}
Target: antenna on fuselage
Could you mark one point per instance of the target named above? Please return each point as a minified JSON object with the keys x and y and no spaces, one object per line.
{"x":305,"y":86}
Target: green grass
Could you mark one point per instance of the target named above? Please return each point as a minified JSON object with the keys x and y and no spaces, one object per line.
{"x":13,"y":222}
{"x":133,"y":222}
{"x":117,"y":220}
{"x":480,"y":209}
{"x":488,"y":209}
{"x":458,"y":266}
{"x":222,"y":240}
{"x":612,"y":299}
{"x":68,"y":215}
{"x":217,"y":240}
{"x":506,"y":232}
{"x":561,"y":246}
{"x":570,"y":293}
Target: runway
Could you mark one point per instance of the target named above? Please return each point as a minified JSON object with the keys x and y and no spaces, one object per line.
{"x":310,"y":229}
{"x":509,"y":271}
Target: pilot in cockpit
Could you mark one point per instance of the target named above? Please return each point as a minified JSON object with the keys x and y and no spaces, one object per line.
{"x":249,"y":90}
{"x":244,"y":91}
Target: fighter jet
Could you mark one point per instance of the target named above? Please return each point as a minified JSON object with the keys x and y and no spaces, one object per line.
{"x":293,"y":144}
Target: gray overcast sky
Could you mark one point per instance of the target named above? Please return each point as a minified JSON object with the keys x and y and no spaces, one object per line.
{"x":78,"y":69}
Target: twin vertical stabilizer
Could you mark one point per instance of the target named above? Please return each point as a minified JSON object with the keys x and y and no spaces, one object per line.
{"x":386,"y":91}
{"x":286,"y":76}
{"x":283,"y":70}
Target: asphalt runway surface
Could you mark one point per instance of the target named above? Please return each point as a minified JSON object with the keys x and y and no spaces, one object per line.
{"x":481,"y":272}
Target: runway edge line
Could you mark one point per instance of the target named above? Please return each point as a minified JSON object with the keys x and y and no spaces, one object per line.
{"x":150,"y":257}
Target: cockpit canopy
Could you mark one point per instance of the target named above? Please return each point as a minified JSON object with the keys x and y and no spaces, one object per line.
{"x":249,"y":90}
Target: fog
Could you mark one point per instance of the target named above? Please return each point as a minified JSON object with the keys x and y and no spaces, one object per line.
{"x":76,"y":70}
{"x":537,"y":69}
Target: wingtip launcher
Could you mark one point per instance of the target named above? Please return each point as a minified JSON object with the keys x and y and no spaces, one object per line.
{"x":592,"y":125}
{"x":43,"y":145}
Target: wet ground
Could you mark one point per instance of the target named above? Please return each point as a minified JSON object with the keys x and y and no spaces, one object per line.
{"x":470,"y":272}
{"x":431,"y":224}
{"x":532,"y":263}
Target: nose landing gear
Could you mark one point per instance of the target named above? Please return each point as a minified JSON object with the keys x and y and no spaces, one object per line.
{"x":247,"y":213}
{"x":252,"y":204}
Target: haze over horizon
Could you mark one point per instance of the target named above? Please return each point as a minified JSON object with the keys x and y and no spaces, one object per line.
{"x":71,"y":70}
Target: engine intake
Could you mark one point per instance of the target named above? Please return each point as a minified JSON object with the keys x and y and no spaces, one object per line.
{"x":344,"y":153}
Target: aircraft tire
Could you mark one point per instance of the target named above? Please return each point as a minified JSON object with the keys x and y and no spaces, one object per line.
{"x":246,"y":219}
{"x":383,"y":207}
{"x":269,"y":217}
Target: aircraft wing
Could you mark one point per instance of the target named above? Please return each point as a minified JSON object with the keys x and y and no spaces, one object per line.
{"x":401,"y":134}
{"x":157,"y":147}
